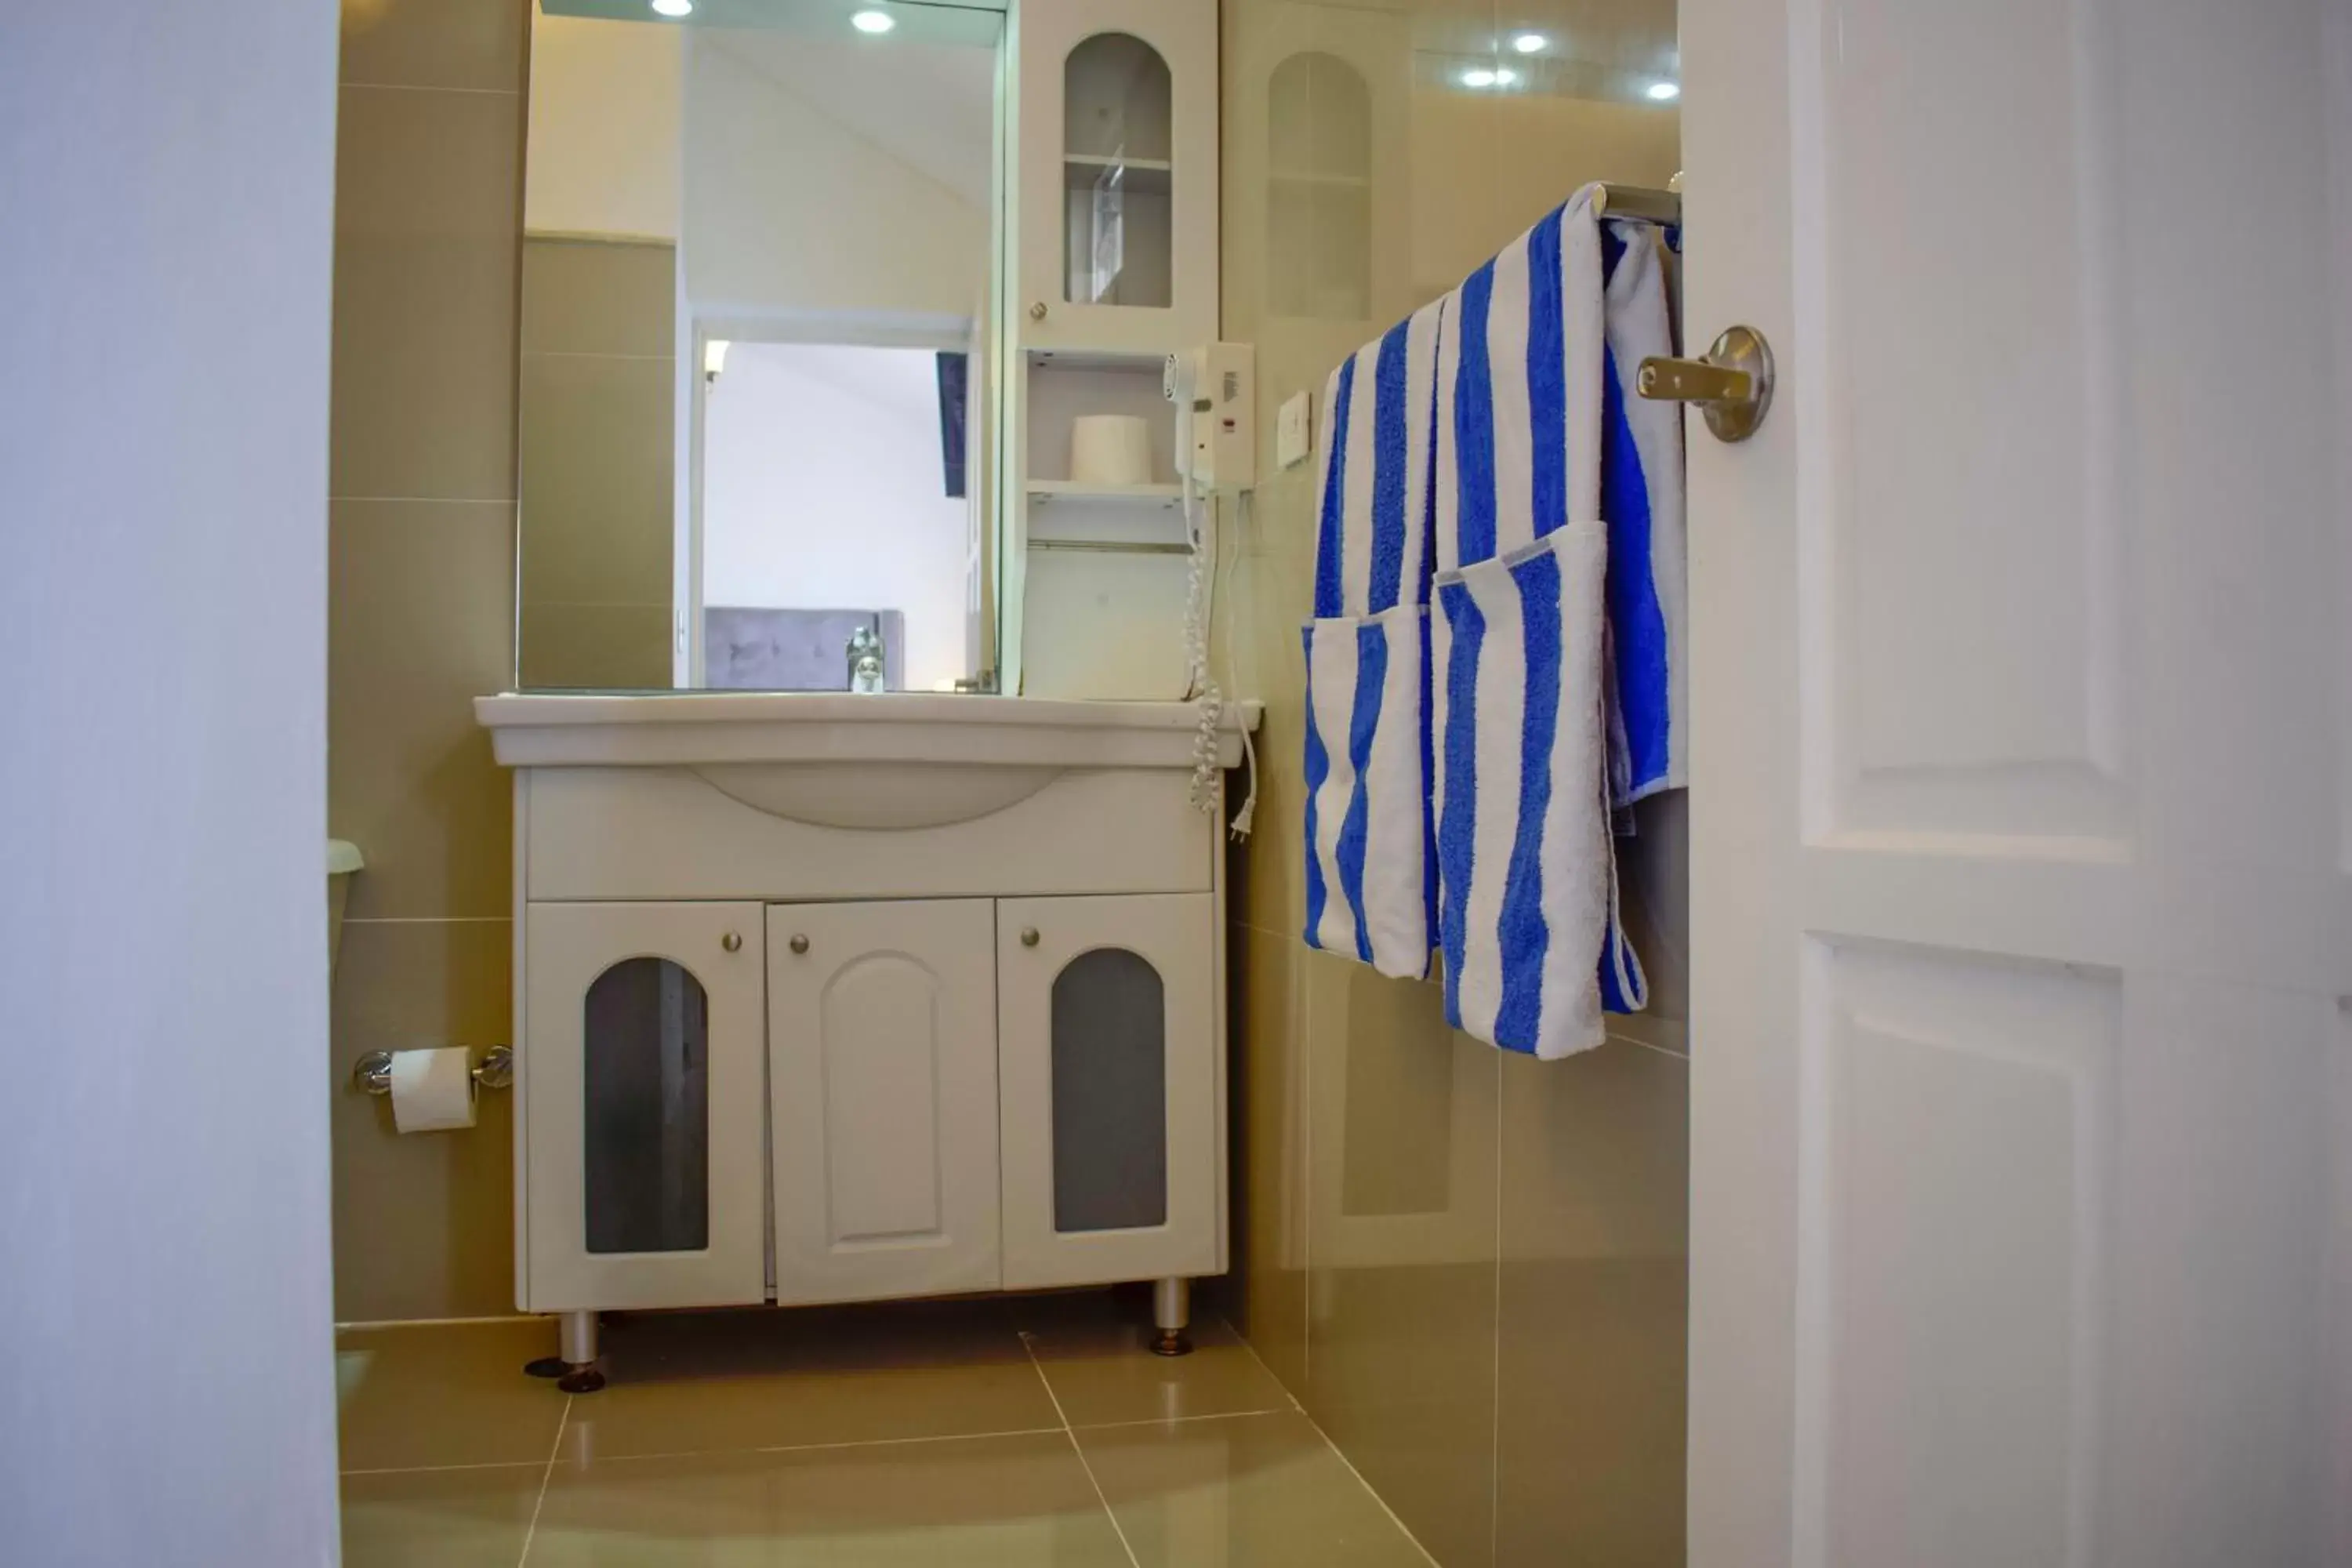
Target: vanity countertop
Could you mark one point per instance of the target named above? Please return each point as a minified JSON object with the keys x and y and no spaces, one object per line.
{"x":658,"y":729}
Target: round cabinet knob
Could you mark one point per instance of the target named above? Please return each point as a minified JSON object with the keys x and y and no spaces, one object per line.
{"x":1028,"y":936}
{"x":733,"y":942}
{"x":1037,"y":311}
{"x":800,"y":944}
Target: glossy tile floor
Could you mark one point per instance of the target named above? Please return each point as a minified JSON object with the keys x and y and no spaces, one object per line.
{"x":1004,"y":1433}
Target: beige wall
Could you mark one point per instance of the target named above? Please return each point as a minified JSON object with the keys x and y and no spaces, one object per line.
{"x":1468,"y":1265}
{"x":421,"y":620}
{"x":599,"y":384}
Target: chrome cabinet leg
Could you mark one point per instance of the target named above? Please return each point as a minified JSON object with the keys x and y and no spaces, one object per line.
{"x":575,"y":1366}
{"x":1172,"y":1314}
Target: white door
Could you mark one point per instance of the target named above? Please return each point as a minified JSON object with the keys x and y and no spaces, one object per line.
{"x":2021,"y":819}
{"x":641,"y":1071}
{"x":1107,"y":1048}
{"x":882,"y":1080}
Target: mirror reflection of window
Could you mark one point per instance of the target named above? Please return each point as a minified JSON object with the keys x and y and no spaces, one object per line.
{"x":812,"y":202}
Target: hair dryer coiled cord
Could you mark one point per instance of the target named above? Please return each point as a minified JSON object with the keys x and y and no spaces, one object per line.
{"x":1208,"y":791}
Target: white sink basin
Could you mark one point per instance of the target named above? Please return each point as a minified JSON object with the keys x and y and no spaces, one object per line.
{"x":902,"y":760}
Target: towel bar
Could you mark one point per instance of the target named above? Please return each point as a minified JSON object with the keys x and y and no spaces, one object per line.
{"x":1639,"y":203}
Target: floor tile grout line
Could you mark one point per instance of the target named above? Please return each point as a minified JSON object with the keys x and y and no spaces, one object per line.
{"x":1378,"y":1501}
{"x":545,"y":1476}
{"x":1178,"y":1420}
{"x":438,"y":1469}
{"x":1028,"y":1343}
{"x":1336,"y":1452}
{"x":1287,"y":1391}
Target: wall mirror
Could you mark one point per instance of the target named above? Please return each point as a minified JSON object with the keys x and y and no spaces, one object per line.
{"x":756,"y":399}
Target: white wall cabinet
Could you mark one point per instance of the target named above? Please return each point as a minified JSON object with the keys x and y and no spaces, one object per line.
{"x":1117,"y":197}
{"x":882,"y":1098}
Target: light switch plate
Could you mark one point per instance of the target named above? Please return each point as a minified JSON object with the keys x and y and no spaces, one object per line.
{"x":1290,"y":427}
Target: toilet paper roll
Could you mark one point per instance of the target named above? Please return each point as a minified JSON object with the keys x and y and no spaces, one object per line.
{"x":1111,"y":450}
{"x":433,"y":1091}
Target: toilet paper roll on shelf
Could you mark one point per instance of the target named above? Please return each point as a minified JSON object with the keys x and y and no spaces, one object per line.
{"x":1111,"y":450}
{"x":433,"y":1090}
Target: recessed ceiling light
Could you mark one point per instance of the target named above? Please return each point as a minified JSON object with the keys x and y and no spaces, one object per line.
{"x":1482,"y":76}
{"x":1529,"y":43}
{"x":673,"y":8}
{"x":873,"y":21}
{"x":1665,"y":91}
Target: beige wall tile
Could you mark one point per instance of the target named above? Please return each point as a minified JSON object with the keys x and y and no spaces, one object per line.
{"x":1401,"y":1325}
{"x":421,"y":598}
{"x":1401,"y":1184}
{"x":476,"y":44}
{"x":595,"y":463}
{"x":624,"y":647}
{"x":428,"y":204}
{"x":1269,"y":1140}
{"x":1591,"y":1361}
{"x":585,"y":296}
{"x":425,"y":1222}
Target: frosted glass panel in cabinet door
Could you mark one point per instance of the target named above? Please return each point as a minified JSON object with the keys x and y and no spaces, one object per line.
{"x":1110,"y":1093}
{"x":1116,"y":145}
{"x":1107,"y":1056}
{"x":646,"y":1048}
{"x":882,"y":1078}
{"x":641,"y":1134}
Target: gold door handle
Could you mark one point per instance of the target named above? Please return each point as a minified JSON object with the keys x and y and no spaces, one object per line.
{"x":1732,"y":386}
{"x":1028,"y":936}
{"x":733,"y":942}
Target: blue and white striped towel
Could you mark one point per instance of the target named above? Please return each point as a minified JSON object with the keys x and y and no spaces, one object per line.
{"x":1522,"y":701}
{"x":1642,"y":501}
{"x":1371,"y":888}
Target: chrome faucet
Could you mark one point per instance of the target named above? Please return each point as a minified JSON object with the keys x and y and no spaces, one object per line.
{"x":865,"y":672}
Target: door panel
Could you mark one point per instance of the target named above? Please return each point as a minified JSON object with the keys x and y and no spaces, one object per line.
{"x":883,"y":1082}
{"x":2021,"y":931}
{"x":1107,"y":1052}
{"x":642,"y":1067}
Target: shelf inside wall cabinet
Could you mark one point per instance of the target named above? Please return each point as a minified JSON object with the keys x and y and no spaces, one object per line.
{"x":1072,"y":495}
{"x":1104,"y":517}
{"x":1137,"y":176}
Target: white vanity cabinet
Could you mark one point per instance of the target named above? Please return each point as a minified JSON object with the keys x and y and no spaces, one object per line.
{"x":829,"y":998}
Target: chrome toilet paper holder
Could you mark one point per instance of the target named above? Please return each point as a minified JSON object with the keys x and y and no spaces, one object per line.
{"x":372,"y":1072}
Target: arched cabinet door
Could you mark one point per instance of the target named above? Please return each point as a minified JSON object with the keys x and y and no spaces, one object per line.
{"x":1117,"y":200}
{"x":639,"y":1080}
{"x":1106,"y":1052}
{"x":882,"y":1076}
